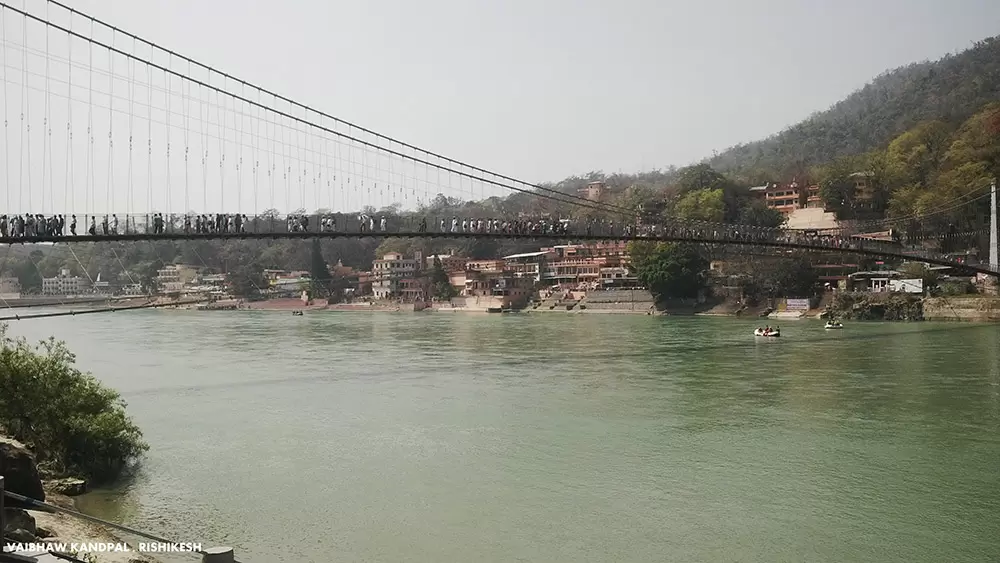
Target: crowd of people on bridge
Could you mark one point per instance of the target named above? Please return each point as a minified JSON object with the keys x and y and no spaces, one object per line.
{"x":37,"y":226}
{"x":30,"y":226}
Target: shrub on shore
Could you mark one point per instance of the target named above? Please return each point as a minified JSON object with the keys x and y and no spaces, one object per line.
{"x":74,"y":424}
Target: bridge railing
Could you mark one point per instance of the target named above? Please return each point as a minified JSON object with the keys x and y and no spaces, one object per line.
{"x":155,"y":225}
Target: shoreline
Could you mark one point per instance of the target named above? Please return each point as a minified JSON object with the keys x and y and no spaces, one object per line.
{"x":959,"y":308}
{"x":68,"y":529}
{"x":38,"y":526}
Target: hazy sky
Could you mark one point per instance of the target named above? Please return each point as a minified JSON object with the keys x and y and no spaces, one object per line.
{"x":537,"y":90}
{"x":542,"y":89}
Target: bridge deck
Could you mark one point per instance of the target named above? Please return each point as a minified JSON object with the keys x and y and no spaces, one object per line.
{"x":830,"y":244}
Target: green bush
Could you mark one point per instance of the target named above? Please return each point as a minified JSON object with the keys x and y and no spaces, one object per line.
{"x":952,"y":288}
{"x":75,"y":425}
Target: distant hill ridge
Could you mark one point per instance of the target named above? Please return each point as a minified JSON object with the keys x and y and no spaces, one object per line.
{"x":950,"y":89}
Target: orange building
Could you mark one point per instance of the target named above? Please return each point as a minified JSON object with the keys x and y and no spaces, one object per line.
{"x":789,"y":197}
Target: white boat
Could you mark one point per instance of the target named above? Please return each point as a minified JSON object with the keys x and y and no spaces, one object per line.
{"x":767,"y":334}
{"x":833,"y":324}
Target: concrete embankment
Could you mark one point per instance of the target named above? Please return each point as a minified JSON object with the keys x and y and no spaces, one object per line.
{"x":906,"y":307}
{"x":56,"y":301}
{"x":975,"y":308}
{"x":612,"y":301}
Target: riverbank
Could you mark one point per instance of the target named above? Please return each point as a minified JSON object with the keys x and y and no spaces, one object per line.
{"x":908,"y":307}
{"x":24,"y":525}
{"x":844,"y":305}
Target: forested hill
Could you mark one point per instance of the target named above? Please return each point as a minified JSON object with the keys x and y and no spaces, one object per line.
{"x":950,"y":89}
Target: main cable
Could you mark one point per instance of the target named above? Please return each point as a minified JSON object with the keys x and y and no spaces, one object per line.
{"x":307,"y":108}
{"x":583,"y":202}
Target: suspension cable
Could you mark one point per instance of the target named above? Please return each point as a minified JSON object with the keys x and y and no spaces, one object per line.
{"x":323,"y":114}
{"x":583,"y":202}
{"x":6,"y":138}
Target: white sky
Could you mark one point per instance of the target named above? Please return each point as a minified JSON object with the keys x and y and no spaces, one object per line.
{"x":537,"y":90}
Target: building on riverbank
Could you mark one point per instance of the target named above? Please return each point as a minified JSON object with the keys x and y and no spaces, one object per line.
{"x":449,"y":262}
{"x":10,"y":288}
{"x":530,"y":265}
{"x":389,"y":271}
{"x":173,"y":278}
{"x":65,"y":284}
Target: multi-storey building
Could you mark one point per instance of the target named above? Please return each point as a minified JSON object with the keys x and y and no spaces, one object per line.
{"x":64,"y":284}
{"x":131,"y":289}
{"x":484,"y":265}
{"x":389,"y":270}
{"x":529,"y":265}
{"x":618,"y":276}
{"x":503,"y":286}
{"x":171,"y":279}
{"x":582,"y":263}
{"x":789,"y":197}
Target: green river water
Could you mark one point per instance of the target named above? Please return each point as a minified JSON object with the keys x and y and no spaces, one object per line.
{"x":432,"y":438}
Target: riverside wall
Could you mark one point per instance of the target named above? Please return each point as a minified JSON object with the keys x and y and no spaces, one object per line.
{"x":973,"y":308}
{"x":908,"y":307}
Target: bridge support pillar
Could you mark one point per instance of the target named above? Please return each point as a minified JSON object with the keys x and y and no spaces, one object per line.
{"x":994,"y":258}
{"x":3,"y":522}
{"x":218,"y":555}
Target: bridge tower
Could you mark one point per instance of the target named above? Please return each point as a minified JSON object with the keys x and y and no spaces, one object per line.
{"x":994,"y":258}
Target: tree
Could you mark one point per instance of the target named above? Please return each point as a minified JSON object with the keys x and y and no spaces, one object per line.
{"x":479,"y":248}
{"x":669,"y":270}
{"x":148,"y":274}
{"x":837,"y":186}
{"x":978,"y":140}
{"x":950,"y":89}
{"x":700,"y":177}
{"x":441,"y":284}
{"x":794,"y":277}
{"x":914,"y":156}
{"x":701,"y":205}
{"x":758,"y":214}
{"x":75,"y":424}
{"x":26,"y":271}
{"x":246,"y":281}
{"x":319,"y":272}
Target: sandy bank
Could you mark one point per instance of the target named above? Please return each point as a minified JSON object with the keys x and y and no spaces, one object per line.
{"x":68,"y":529}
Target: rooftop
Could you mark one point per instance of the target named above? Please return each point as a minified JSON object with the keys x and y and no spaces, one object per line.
{"x":525,"y":255}
{"x":876,"y":274}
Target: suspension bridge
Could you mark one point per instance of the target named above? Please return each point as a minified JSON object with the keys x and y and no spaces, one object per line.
{"x":111,"y":137}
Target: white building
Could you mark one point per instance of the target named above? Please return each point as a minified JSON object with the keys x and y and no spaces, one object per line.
{"x":131,"y":289}
{"x":64,"y":284}
{"x":10,"y":288}
{"x":172,"y":279}
{"x":387,"y":273}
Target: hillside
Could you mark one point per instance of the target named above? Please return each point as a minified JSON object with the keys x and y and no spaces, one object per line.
{"x":950,"y":89}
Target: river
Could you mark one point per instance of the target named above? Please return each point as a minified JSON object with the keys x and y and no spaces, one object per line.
{"x":547,"y":437}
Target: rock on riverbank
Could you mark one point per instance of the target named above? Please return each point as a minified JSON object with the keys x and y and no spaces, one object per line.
{"x":907,"y":307}
{"x":868,"y":306}
{"x":21,"y":476}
